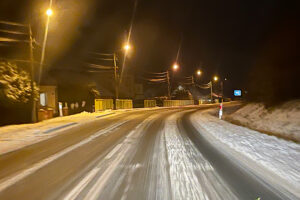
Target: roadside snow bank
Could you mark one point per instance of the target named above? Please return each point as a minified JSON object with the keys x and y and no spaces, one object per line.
{"x":13,"y":137}
{"x":282,"y":120}
{"x":278,"y":156}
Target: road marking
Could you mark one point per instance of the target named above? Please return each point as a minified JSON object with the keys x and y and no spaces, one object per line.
{"x":75,"y":192}
{"x":7,"y":182}
{"x":113,"y":151}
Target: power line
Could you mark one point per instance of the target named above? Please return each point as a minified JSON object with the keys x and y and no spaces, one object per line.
{"x":13,"y":32}
{"x":13,"y":23}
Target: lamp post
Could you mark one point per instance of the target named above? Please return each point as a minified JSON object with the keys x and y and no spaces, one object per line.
{"x":49,"y":13}
{"x":198,"y":73}
{"x":215,"y":78}
{"x":126,"y":48}
{"x":175,"y":67}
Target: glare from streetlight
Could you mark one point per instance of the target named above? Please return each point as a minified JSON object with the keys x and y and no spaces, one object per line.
{"x":216,"y":78}
{"x":127,"y":47}
{"x":49,"y":12}
{"x":199,"y":72}
{"x":175,"y":66}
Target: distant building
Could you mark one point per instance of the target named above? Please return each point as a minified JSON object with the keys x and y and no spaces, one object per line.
{"x":48,"y":97}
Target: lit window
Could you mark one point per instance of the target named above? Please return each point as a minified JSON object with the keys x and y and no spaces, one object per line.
{"x":43,"y":99}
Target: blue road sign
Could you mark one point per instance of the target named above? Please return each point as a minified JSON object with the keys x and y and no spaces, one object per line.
{"x":237,"y":93}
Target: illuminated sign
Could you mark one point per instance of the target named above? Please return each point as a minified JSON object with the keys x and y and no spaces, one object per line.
{"x":237,"y":93}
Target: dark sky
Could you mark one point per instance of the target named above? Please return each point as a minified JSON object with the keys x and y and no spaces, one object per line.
{"x":219,"y":37}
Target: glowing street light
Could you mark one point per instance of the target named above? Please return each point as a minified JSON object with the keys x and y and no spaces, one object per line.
{"x":199,"y":72}
{"x":127,"y":47}
{"x":216,"y":78}
{"x":175,"y":66}
{"x":49,"y":12}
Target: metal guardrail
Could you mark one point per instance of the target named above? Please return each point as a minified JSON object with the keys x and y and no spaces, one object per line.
{"x":124,"y":104}
{"x":171,"y":103}
{"x":106,"y":104}
{"x":149,"y":103}
{"x":103,"y":104}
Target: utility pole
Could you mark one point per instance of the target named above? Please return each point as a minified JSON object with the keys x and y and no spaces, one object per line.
{"x":168,"y":79}
{"x":211,"y":90}
{"x":222,"y":90}
{"x":33,"y":111}
{"x":193,"y":81}
{"x":116,"y":81}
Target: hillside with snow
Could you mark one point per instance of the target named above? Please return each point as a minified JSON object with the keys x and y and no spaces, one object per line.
{"x":282,"y":120}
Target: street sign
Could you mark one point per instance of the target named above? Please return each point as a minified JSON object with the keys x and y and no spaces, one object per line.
{"x":60,"y":107}
{"x":221,"y":111}
{"x":237,"y":93}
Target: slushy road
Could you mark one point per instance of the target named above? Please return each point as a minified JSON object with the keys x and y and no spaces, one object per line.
{"x":142,"y":154}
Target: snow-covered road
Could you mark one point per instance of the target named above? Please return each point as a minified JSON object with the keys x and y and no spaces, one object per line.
{"x":140,"y":155}
{"x":173,"y":168}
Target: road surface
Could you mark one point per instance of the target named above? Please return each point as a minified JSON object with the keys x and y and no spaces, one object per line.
{"x":142,"y":154}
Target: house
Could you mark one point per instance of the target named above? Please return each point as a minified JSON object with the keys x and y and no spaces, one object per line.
{"x":48,"y":98}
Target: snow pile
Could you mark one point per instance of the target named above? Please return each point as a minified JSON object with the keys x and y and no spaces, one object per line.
{"x":281,"y":157}
{"x":283,"y":121}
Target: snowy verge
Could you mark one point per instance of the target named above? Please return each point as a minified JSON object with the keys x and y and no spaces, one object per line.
{"x":282,"y":121}
{"x":274,"y":159}
{"x":14,"y":137}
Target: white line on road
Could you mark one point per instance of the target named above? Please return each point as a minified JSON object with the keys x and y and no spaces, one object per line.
{"x":75,"y":192}
{"x":113,"y":151}
{"x":24,"y":173}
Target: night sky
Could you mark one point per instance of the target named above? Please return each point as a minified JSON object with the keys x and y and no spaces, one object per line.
{"x":226,"y":38}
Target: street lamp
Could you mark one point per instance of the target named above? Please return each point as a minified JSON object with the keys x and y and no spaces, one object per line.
{"x":199,"y":72}
{"x":175,"y":66}
{"x":49,"y":12}
{"x":211,"y":88}
{"x":216,"y":78}
{"x":127,"y":47}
